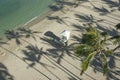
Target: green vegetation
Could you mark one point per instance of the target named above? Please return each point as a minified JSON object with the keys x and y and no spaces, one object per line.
{"x":95,"y":43}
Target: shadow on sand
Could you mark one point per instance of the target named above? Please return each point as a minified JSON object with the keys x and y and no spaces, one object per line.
{"x":57,"y":53}
{"x":112,"y":4}
{"x":33,"y":54}
{"x":88,"y":19}
{"x":4,"y":74}
{"x":114,"y":72}
{"x":60,"y":20}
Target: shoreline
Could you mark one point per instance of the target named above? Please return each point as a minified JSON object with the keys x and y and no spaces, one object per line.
{"x":31,"y":22}
{"x":37,"y":19}
{"x":28,"y":24}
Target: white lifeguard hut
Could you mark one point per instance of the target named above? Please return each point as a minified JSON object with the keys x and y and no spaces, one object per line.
{"x":65,"y":35}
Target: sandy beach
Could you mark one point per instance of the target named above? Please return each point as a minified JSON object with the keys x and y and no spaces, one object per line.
{"x":55,"y":62}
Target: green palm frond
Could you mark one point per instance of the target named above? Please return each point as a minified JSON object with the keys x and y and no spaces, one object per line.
{"x":83,"y":50}
{"x":86,"y":62}
{"x":91,"y":38}
{"x":108,"y":52}
{"x":102,"y":43}
{"x":116,"y":41}
{"x":104,"y":62}
{"x":90,"y":28}
{"x":104,"y":33}
{"x":94,"y":43}
{"x":105,"y":68}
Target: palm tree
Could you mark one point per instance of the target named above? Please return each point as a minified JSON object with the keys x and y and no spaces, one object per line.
{"x":95,"y":44}
{"x":14,"y":34}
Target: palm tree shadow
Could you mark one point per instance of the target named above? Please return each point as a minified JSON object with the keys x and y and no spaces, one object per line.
{"x":28,"y":32}
{"x":51,"y":39}
{"x":96,"y":64}
{"x":112,"y":75}
{"x":117,"y":54}
{"x":72,"y":78}
{"x":61,"y":3}
{"x":65,"y":2}
{"x":14,"y":34}
{"x":51,"y":35}
{"x":74,"y":4}
{"x":77,"y":3}
{"x":59,"y":52}
{"x":57,"y":7}
{"x":33,"y":54}
{"x":111,"y":3}
{"x":113,"y":72}
{"x":4,"y":74}
{"x":77,"y":38}
{"x":60,"y":20}
{"x":50,"y":42}
{"x":87,"y":19}
{"x":111,"y":32}
{"x":83,"y":18}
{"x":79,"y":27}
{"x":26,"y":63}
{"x":102,"y":10}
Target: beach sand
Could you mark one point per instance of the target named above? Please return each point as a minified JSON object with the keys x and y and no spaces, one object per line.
{"x":55,"y":62}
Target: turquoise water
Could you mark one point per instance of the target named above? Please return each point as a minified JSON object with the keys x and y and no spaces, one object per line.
{"x":14,"y":13}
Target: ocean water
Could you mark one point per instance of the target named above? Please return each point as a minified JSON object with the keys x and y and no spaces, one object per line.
{"x":15,"y":13}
